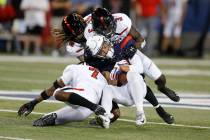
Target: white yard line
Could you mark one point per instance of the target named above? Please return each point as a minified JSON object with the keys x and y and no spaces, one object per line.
{"x":127,"y":120}
{"x":38,"y":59}
{"x":13,"y":138}
{"x":182,"y":62}
{"x":37,"y":92}
{"x":25,"y":99}
{"x":188,"y":100}
{"x":186,"y":72}
{"x":23,"y":80}
{"x":50,"y":59}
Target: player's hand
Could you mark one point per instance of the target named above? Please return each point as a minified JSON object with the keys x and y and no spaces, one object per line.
{"x":114,"y":73}
{"x":117,"y":69}
{"x":26,"y":109}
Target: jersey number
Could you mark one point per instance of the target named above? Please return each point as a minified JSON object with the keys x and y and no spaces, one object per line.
{"x":95,"y":72}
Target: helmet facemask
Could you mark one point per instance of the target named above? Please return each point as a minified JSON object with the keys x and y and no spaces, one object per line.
{"x":103,"y":22}
{"x":100,"y":47}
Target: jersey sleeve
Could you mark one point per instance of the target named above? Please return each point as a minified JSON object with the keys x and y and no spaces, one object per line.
{"x":67,"y":75}
{"x":123,"y":23}
{"x":127,"y":22}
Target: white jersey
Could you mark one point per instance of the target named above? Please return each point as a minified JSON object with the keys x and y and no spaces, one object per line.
{"x":122,"y":29}
{"x":81,"y":77}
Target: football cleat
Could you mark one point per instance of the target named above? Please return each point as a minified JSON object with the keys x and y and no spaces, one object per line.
{"x":140,"y":119}
{"x":103,"y":121}
{"x":168,"y":118}
{"x":99,"y":110}
{"x":170,"y":93}
{"x":48,"y":120}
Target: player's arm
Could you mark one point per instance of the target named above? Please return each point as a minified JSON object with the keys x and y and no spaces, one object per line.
{"x":27,"y":108}
{"x":140,"y":42}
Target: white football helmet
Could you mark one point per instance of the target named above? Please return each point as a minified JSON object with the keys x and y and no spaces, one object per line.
{"x":95,"y":44}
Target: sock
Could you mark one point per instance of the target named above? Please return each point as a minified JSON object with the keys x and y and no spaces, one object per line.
{"x":160,"y":111}
{"x":81,"y":101}
{"x":150,"y":97}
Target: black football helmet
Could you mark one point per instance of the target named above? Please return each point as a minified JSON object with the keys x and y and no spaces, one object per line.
{"x":73,"y":26}
{"x":103,"y":22}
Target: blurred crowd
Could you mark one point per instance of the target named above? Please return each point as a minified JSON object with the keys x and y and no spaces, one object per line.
{"x":25,"y":25}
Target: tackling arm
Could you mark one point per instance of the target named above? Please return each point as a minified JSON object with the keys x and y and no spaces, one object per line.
{"x":27,"y":108}
{"x":140,"y":42}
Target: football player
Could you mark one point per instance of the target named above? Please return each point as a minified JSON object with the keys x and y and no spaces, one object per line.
{"x":116,"y":27}
{"x":94,"y":44}
{"x":80,"y":86}
{"x":101,"y":48}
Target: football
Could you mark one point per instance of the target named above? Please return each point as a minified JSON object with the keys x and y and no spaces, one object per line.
{"x":122,"y":79}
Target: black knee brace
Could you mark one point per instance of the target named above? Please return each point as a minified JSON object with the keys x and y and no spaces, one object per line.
{"x":161,"y":82}
{"x":150,"y":97}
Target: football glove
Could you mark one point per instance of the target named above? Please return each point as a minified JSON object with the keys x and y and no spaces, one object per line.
{"x":27,"y":108}
{"x":116,"y":70}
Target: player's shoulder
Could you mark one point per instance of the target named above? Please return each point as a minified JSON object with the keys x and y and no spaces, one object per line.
{"x":89,"y":32}
{"x":88,"y":18}
{"x":122,"y":18}
{"x":123,"y":22}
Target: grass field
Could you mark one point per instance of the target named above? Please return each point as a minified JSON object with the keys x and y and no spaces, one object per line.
{"x":29,"y":76}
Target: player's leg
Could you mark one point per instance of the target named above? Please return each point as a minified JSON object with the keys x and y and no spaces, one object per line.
{"x":75,"y":98}
{"x":150,"y":97}
{"x":137,"y":88}
{"x":154,"y":73}
{"x":63,"y":115}
{"x":112,"y":93}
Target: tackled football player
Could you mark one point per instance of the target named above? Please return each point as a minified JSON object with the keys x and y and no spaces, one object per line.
{"x":102,"y":48}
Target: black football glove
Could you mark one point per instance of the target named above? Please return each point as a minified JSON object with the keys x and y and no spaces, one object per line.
{"x":27,"y":108}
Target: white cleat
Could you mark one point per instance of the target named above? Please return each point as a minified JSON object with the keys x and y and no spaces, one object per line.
{"x":103,"y":121}
{"x":140,"y":119}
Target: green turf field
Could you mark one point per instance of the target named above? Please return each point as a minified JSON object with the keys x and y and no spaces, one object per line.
{"x":25,"y":76}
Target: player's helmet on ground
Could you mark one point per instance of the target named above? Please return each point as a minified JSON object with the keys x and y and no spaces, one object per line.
{"x":103,"y":22}
{"x":73,"y":26}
